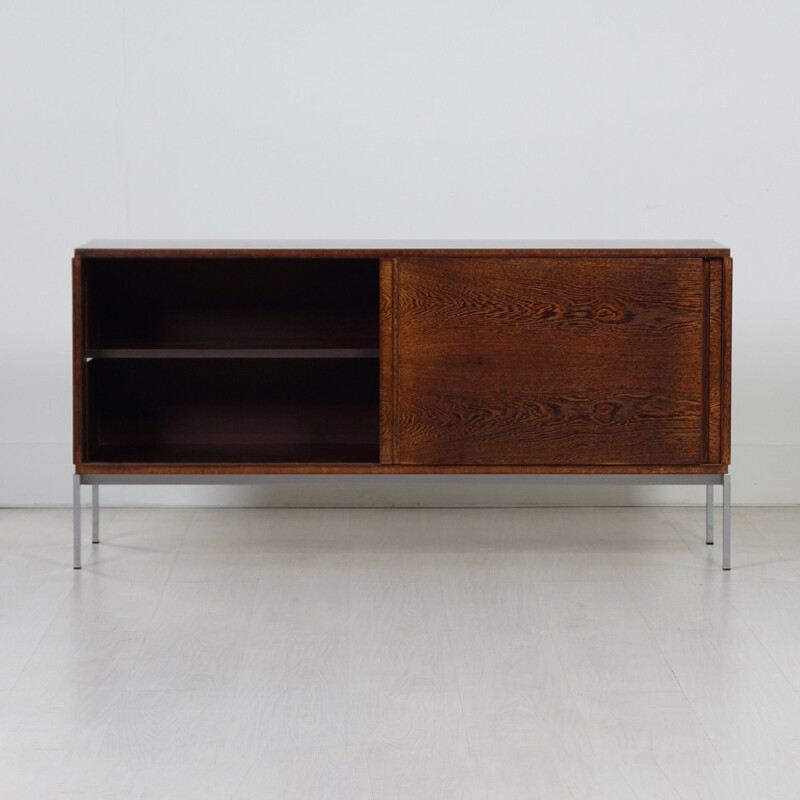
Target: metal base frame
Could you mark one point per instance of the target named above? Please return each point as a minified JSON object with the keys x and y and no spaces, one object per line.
{"x":709,"y":481}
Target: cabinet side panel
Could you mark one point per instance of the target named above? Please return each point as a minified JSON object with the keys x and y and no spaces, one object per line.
{"x":714,"y":359}
{"x":386,"y":361}
{"x":78,"y":388}
{"x":395,"y":358}
{"x":727,"y":328}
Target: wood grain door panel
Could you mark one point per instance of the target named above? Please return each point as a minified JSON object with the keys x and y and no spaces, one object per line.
{"x":557,"y":361}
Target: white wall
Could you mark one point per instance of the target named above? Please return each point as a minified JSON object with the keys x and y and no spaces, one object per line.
{"x":422,"y":118}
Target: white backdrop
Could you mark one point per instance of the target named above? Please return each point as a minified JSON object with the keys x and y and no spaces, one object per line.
{"x":421,"y":118}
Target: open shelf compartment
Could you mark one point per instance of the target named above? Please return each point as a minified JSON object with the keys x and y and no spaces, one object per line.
{"x":233,"y":411}
{"x":168,"y":307}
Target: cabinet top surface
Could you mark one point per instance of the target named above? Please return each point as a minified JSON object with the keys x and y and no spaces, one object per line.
{"x":379,"y":247}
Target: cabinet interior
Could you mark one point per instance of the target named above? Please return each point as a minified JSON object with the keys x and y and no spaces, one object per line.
{"x":238,"y":360}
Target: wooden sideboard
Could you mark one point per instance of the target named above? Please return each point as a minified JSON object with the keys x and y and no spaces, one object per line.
{"x":241,"y":361}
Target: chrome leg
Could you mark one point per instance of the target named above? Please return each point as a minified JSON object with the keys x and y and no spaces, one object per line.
{"x":726,"y":522}
{"x":710,"y":513}
{"x":76,"y":521}
{"x":95,"y":514}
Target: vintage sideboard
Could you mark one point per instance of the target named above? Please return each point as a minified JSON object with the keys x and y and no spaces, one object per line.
{"x":252,"y":361}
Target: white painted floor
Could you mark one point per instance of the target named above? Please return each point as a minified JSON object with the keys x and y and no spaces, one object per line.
{"x":375,"y":653}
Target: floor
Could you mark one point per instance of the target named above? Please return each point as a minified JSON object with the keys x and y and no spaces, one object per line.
{"x":376,"y":653}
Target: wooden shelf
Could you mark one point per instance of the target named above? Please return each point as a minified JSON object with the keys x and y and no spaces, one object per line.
{"x":232,"y":352}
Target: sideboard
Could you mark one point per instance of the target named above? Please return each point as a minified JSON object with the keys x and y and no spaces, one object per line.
{"x":253,"y":361}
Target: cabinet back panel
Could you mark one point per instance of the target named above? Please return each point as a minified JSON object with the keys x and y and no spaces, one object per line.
{"x":550,"y":361}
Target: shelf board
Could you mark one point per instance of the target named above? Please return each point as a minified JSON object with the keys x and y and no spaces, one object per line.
{"x":218,"y":453}
{"x":232,"y":352}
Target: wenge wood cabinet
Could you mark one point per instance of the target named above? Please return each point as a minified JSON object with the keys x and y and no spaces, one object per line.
{"x":258,"y":358}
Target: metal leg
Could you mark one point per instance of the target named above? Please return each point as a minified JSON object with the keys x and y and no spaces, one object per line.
{"x":76,"y":521}
{"x":710,"y":513}
{"x":95,"y":514}
{"x":726,"y":522}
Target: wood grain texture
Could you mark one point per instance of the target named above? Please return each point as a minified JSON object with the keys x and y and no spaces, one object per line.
{"x":727,"y":334}
{"x":327,"y":468}
{"x":386,"y":361}
{"x":395,"y":305}
{"x":548,"y":361}
{"x":390,"y":248}
{"x":714,"y":360}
